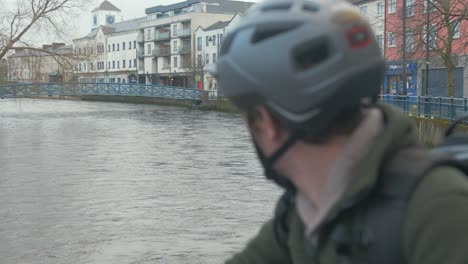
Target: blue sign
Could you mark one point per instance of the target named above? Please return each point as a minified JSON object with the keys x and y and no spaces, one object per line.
{"x":395,"y":67}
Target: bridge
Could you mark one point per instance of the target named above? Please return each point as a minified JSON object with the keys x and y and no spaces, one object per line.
{"x":110,"y":89}
{"x":433,"y":107}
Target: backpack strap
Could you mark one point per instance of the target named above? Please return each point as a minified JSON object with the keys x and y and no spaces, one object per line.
{"x":386,"y":210}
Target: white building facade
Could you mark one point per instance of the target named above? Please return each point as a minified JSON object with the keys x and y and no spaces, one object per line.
{"x":54,"y":64}
{"x":374,"y":10}
{"x":108,"y":52}
{"x":208,"y":45}
{"x":166,"y":41}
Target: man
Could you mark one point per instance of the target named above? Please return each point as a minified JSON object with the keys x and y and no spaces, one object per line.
{"x":306,"y":75}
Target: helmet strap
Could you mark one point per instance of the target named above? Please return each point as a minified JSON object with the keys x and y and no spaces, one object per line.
{"x":268,"y":162}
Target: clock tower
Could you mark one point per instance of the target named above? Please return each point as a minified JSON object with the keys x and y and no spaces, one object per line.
{"x":105,"y":14}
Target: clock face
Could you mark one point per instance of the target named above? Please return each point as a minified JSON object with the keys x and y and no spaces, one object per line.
{"x":110,"y":19}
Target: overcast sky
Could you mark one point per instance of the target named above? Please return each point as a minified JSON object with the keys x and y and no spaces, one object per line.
{"x":83,"y":22}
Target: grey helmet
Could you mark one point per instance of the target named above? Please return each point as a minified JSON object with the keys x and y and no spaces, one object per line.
{"x":306,"y":60}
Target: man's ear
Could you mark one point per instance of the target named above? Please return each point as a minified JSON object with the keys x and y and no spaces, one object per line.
{"x":267,"y":124}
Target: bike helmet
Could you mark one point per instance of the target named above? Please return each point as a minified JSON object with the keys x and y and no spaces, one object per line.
{"x":305,"y":60}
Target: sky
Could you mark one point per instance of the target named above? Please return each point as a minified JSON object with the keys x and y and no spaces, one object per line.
{"x":82,"y":22}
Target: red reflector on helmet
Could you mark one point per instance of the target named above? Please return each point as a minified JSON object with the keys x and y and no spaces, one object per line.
{"x":358,"y":37}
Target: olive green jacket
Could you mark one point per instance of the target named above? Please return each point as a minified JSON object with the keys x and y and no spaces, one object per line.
{"x":435,"y":229}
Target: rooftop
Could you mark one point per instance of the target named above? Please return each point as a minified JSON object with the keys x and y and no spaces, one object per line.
{"x":216,"y":6}
{"x":106,"y":6}
{"x":123,"y":26}
{"x":217,"y":25}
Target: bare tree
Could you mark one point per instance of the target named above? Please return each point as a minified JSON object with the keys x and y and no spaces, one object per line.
{"x":39,"y":16}
{"x":196,"y":68}
{"x":434,"y":32}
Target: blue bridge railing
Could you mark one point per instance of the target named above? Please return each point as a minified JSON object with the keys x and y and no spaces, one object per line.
{"x":80,"y":89}
{"x":428,"y":106}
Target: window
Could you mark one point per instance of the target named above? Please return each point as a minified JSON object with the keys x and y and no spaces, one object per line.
{"x":409,"y":41}
{"x":113,"y":64}
{"x":409,"y":8}
{"x":112,"y":80}
{"x":134,"y":63}
{"x":174,"y":30}
{"x":380,"y":40}
{"x":79,"y":51}
{"x":134,"y":44}
{"x":109,"y":65}
{"x":199,"y":60}
{"x":391,"y":6}
{"x":129,"y":45}
{"x":109,"y":48}
{"x":199,"y":43}
{"x":391,"y":39}
{"x":207,"y":59}
{"x":118,"y":64}
{"x":174,"y":46}
{"x":214,"y":40}
{"x":175,"y":61}
{"x":432,"y":5}
{"x":220,"y":39}
{"x":148,"y":34}
{"x":79,"y":66}
{"x":363,"y":10}
{"x":456,"y":29}
{"x":207,"y":39}
{"x":95,"y":20}
{"x":84,"y":66}
{"x":380,"y":8}
{"x":118,"y":46}
{"x":214,"y":57}
{"x":113,"y":47}
{"x":123,"y":64}
{"x":432,"y":36}
{"x":148,"y":49}
{"x":123,"y":46}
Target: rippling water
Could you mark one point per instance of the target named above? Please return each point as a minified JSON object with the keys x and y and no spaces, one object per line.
{"x":91,"y":182}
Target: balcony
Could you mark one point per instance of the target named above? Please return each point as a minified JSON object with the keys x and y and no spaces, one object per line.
{"x":140,"y":39}
{"x":183,"y":50}
{"x":140,"y":54}
{"x":185,"y":33}
{"x":161,"y":52}
{"x":166,"y":67}
{"x":158,"y":36}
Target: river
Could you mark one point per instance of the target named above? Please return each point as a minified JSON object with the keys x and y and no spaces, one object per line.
{"x":95,"y":182}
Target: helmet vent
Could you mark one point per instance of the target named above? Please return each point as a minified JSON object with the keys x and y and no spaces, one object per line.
{"x":277,"y":7}
{"x":271,"y":31}
{"x":310,"y":55}
{"x":310,"y":7}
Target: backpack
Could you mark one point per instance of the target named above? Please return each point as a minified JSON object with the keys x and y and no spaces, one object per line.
{"x":381,"y":228}
{"x":401,"y":174}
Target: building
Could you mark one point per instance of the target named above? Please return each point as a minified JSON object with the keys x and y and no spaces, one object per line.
{"x":105,"y":14}
{"x":108,"y":52}
{"x":374,"y":10}
{"x":3,"y":71}
{"x":208,"y":43}
{"x":49,"y":63}
{"x":423,"y":53}
{"x":166,"y":40}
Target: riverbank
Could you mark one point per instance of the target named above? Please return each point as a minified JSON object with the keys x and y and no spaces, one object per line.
{"x":430,"y":130}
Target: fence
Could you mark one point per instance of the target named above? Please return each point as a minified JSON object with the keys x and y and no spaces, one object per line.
{"x":434,"y":107}
{"x":80,"y":89}
{"x":427,"y":106}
